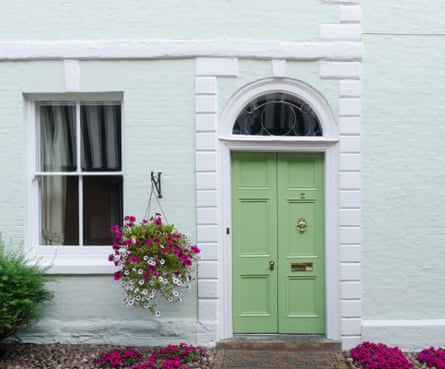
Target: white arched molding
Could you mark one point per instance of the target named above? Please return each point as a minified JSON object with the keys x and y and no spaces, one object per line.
{"x":292,"y":87}
{"x":214,"y":142}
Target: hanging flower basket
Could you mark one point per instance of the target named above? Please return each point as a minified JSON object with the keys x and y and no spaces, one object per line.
{"x":153,"y":259}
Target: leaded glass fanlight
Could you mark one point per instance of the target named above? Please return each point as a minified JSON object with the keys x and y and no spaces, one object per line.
{"x":277,"y":114}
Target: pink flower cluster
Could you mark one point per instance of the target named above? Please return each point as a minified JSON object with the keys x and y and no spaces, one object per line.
{"x":119,"y":358}
{"x":379,"y":356}
{"x":152,"y":258}
{"x":170,"y":357}
{"x":433,"y":357}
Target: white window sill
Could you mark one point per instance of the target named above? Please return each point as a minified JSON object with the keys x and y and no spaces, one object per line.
{"x":73,"y":260}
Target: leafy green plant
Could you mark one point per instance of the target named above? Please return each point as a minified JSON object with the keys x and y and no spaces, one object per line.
{"x":22,"y":290}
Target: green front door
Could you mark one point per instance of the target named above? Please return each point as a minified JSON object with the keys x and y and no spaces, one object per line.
{"x":278,"y":243}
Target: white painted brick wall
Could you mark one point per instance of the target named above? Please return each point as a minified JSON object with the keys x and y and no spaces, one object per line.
{"x":350,"y":272}
{"x":205,"y":85}
{"x":351,"y":308}
{"x":351,"y":327}
{"x":207,"y":215}
{"x":207,"y":233}
{"x":340,"y":70}
{"x":349,"y":125}
{"x":340,"y":32}
{"x":72,"y":75}
{"x":350,"y":88}
{"x":350,"y":144}
{"x":349,"y":162}
{"x":207,"y":310}
{"x":208,"y":269}
{"x":349,"y":107}
{"x":205,"y":103}
{"x":349,"y":217}
{"x":349,"y":199}
{"x":207,"y":288}
{"x":350,"y":181}
{"x":279,"y":68}
{"x":206,"y":181}
{"x":350,"y":290}
{"x":205,"y":141}
{"x":350,"y":235}
{"x":206,"y":198}
{"x":205,"y":161}
{"x":205,"y":122}
{"x":350,"y":13}
{"x":209,"y":251}
{"x":350,"y":254}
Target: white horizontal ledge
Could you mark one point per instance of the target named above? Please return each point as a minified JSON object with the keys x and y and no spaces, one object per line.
{"x":158,"y":49}
{"x":404,"y":323}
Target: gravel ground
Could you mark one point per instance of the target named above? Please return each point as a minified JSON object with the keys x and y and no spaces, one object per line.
{"x":61,"y":356}
{"x":81,"y":356}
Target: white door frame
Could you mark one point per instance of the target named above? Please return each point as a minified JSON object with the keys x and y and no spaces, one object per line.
{"x":326,"y":144}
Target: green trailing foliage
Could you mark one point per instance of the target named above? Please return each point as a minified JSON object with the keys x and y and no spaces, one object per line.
{"x":22,"y":290}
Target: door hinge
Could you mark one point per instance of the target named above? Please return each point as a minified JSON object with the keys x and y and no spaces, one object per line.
{"x":228,"y":230}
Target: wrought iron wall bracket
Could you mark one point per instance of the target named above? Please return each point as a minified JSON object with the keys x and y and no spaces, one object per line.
{"x":156,"y":183}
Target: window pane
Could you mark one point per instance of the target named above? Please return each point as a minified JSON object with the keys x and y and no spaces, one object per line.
{"x":57,"y":138}
{"x":102,"y":208}
{"x":101,"y":137}
{"x":60,"y":211}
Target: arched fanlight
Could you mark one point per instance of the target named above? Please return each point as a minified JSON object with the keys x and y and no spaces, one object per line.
{"x":277,"y":114}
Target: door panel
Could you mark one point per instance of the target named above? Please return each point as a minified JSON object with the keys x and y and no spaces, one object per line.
{"x":254,"y":232}
{"x":271,"y":194}
{"x":301,"y":262}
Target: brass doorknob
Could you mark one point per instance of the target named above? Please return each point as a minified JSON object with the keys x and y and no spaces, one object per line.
{"x":271,"y":265}
{"x":301,"y":225}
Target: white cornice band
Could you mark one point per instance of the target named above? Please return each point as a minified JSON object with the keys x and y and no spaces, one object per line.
{"x":157,"y":49}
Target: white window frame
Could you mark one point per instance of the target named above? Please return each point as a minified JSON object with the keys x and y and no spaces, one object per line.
{"x":63,"y":259}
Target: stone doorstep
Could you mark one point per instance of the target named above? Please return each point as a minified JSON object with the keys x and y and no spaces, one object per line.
{"x":279,"y":343}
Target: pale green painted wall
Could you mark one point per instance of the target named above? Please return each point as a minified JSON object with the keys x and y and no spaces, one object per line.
{"x":89,"y":309}
{"x":171,"y":19}
{"x":159,"y":136}
{"x":403,"y":181}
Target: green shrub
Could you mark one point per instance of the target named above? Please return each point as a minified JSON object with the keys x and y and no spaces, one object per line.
{"x":22,"y":289}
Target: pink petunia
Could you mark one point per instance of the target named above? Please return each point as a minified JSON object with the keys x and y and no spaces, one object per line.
{"x":195,"y":249}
